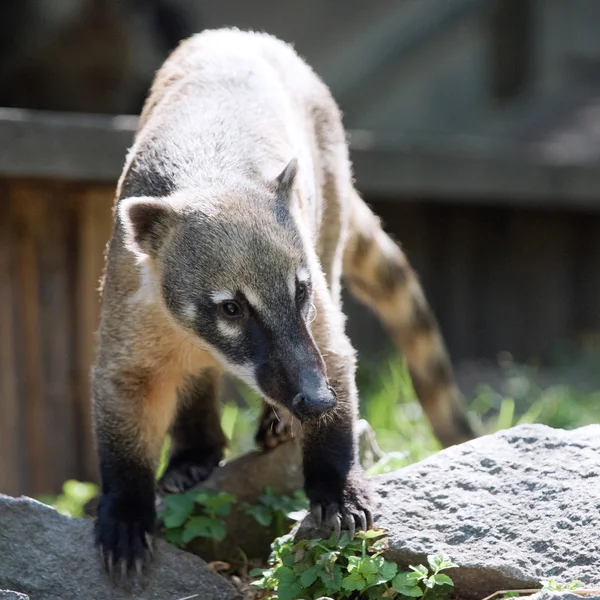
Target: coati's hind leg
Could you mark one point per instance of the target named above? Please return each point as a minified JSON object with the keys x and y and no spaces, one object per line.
{"x":197,"y":440}
{"x":379,"y":275}
{"x":274,"y":427}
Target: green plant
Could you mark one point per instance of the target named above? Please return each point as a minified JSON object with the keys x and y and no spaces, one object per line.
{"x":347,"y":568}
{"x":195,"y":514}
{"x":552,"y":585}
{"x":277,"y":508}
{"x":75,"y":494}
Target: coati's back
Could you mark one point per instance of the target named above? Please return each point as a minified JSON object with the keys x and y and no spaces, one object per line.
{"x":225,"y":102}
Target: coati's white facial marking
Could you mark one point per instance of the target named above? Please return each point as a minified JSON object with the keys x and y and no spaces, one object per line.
{"x":303,"y":275}
{"x":189,"y":311}
{"x":147,"y":292}
{"x":292,"y":285}
{"x":228,"y":330}
{"x":253,"y":298}
{"x":221,"y":296}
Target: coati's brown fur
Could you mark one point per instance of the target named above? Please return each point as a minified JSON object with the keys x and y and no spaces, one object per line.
{"x":236,"y":219}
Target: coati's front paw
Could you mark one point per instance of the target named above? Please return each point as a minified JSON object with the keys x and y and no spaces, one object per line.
{"x":123,"y":532}
{"x":349,"y":509}
{"x":185,"y":471}
{"x":183,"y":477}
{"x":273,"y":430}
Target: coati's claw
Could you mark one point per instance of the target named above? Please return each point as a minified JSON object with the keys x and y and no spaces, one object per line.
{"x":122,"y":531}
{"x":336,"y":523}
{"x":184,"y":476}
{"x":351,"y":523}
{"x":352,"y":513}
{"x":317,"y":513}
{"x":273,"y":429}
{"x":363,"y":521}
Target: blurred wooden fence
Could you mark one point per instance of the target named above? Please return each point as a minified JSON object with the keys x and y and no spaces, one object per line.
{"x":52,"y":238}
{"x":508,"y":249}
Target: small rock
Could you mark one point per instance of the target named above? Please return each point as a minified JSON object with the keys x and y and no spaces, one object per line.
{"x":50,"y":557}
{"x":10,"y":595}
{"x":511,"y":509}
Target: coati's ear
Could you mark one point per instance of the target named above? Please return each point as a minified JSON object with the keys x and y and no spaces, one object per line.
{"x":285,"y":180}
{"x":147,"y":222}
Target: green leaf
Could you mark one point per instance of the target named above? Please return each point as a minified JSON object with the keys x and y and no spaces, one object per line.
{"x":310,"y":575}
{"x":218,"y":529}
{"x":388,"y":570}
{"x":440,"y":562}
{"x":198,"y":526}
{"x":429,"y":582}
{"x":370,"y":534}
{"x":406,"y":584}
{"x":442,"y":579}
{"x":284,"y":574}
{"x":369,"y":566}
{"x":413,"y":592}
{"x":379,"y":545}
{"x":288,"y":587}
{"x":333,"y":579}
{"x":421,"y":570}
{"x":289,"y":590}
{"x":354,"y":563}
{"x":174,"y":536}
{"x":177,"y":509}
{"x":353,"y":582}
{"x":262,"y":514}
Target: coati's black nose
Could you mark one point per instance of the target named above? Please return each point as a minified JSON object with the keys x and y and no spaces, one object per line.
{"x":307,"y":406}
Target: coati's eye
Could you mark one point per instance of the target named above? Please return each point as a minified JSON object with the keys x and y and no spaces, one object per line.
{"x":301,"y":292}
{"x":231,"y":309}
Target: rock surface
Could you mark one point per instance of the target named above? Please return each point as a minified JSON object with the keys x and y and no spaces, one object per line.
{"x":49,"y":557}
{"x":10,"y":595}
{"x":562,"y":596}
{"x":511,"y":509}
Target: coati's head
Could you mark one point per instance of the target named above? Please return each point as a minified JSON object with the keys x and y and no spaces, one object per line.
{"x":235,"y":274}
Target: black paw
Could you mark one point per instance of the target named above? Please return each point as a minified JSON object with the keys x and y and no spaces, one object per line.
{"x":349,"y":509}
{"x":184,"y":472}
{"x":273,"y":429}
{"x":123,"y":532}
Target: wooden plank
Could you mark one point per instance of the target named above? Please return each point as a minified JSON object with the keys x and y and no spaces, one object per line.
{"x":10,"y":453}
{"x":94,"y":226}
{"x":56,"y":299}
{"x":28,"y":208}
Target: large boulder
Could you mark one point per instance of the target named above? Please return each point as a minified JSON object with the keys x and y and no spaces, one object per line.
{"x":511,"y":509}
{"x":51,"y":557}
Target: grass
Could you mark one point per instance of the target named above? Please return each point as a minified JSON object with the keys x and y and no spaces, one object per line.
{"x":389,"y":404}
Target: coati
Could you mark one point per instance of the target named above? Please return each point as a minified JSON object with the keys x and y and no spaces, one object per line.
{"x":235,"y":219}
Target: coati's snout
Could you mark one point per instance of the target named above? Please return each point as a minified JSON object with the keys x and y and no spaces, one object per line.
{"x":293,"y":375}
{"x":307,"y":405}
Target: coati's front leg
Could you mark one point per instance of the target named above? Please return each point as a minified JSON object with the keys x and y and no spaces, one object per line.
{"x":334,"y":482}
{"x":131,"y":415}
{"x":197,"y":440}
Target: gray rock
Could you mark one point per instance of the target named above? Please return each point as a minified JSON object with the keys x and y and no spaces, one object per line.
{"x":10,"y":595}
{"x":562,"y":596}
{"x":511,"y":509}
{"x":52,"y":557}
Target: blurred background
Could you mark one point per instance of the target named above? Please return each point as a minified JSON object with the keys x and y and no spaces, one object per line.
{"x":475,"y":134}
